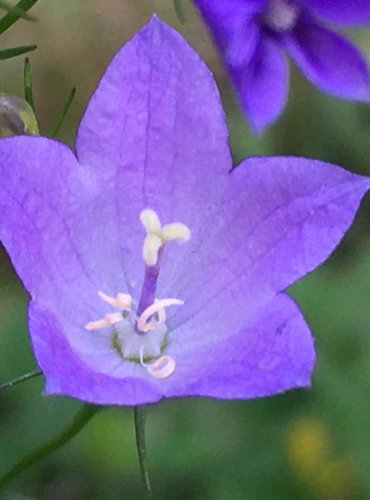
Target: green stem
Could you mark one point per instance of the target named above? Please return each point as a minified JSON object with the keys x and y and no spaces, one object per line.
{"x":139,"y":414}
{"x":81,"y":418}
{"x":22,"y":378}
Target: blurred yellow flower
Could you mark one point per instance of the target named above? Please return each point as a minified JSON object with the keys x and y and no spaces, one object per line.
{"x":315,"y":463}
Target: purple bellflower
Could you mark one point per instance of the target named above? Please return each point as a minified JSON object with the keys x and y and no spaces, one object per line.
{"x":254,"y":35}
{"x":153,"y":269}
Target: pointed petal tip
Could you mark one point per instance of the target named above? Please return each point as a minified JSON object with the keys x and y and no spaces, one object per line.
{"x":259,"y":127}
{"x":261,"y":124}
{"x":264,"y":89}
{"x":155,"y":23}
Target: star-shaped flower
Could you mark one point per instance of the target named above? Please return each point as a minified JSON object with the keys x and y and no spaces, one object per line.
{"x":253,"y":37}
{"x":153,"y":270}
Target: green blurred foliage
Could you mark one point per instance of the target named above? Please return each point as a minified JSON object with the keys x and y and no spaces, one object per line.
{"x":308,"y":444}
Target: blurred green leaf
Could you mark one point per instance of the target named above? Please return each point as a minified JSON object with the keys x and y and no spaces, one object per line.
{"x":179,"y":9}
{"x":59,"y":121}
{"x":17,"y":12}
{"x":16,"y":51}
{"x":27,"y":78}
{"x":78,"y":423}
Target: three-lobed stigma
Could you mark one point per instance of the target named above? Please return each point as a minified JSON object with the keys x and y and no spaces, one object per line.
{"x":157,"y":235}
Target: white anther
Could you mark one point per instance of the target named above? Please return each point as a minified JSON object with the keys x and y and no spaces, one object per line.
{"x":151,"y":247}
{"x":114,"y":318}
{"x":175,"y":231}
{"x":162,"y":367}
{"x":124,"y":300}
{"x":98,"y":324}
{"x":144,"y":325}
{"x":108,"y":320}
{"x":120,"y":301}
{"x":150,"y":221}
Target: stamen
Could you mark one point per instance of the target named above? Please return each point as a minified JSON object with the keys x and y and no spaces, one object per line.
{"x":114,"y":318}
{"x":108,"y":320}
{"x":143,"y":324}
{"x":162,"y":367}
{"x":124,"y":300}
{"x":98,"y":324}
{"x":121,"y":301}
{"x":161,"y":313}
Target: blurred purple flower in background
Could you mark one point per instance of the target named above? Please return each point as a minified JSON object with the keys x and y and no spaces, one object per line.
{"x":254,"y":35}
{"x":119,"y":313}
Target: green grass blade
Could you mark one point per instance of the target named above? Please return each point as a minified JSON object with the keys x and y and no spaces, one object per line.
{"x":17,"y":12}
{"x":4,"y":5}
{"x":58,"y":122}
{"x":27,"y":78}
{"x":16,"y":51}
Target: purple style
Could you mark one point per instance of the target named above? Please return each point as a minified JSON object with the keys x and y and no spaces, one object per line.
{"x":254,"y":36}
{"x":153,"y":270}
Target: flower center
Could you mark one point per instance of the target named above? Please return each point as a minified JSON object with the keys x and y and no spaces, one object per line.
{"x":281,"y":15}
{"x":141,"y":335}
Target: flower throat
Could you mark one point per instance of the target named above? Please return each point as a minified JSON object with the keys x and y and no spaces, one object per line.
{"x":141,"y":335}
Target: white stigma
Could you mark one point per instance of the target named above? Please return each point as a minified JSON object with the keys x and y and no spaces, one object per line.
{"x":157,"y":235}
{"x":281,"y":15}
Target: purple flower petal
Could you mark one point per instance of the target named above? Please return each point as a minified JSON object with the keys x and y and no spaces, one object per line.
{"x":329,"y":61}
{"x":344,"y":12}
{"x":226,"y":12}
{"x":233,"y":27}
{"x":67,"y":374}
{"x":40,"y":190}
{"x":155,"y":115}
{"x":268,"y":353}
{"x":263,"y":84}
{"x":282,"y":217}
